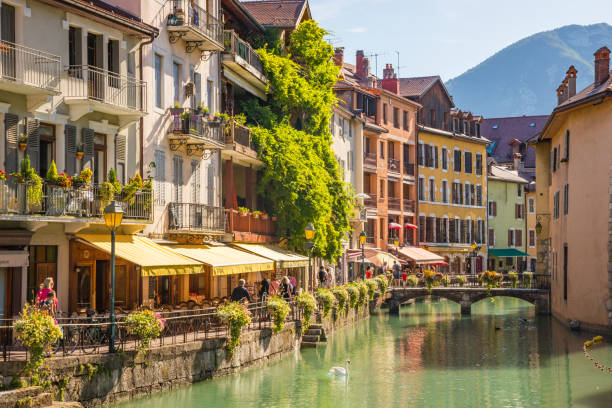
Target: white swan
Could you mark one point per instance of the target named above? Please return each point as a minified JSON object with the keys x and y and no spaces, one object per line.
{"x":341,"y":371}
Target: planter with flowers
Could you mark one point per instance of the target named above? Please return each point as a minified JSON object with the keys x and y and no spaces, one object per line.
{"x":490,"y":279}
{"x":243,"y":211}
{"x":80,"y":151}
{"x":430,"y":279}
{"x":23,"y":142}
{"x":146,"y":326}
{"x":83,"y":180}
{"x":264,"y":216}
{"x":29,"y":186}
{"x":256,"y":214}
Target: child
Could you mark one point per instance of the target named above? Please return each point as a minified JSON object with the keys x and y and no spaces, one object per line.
{"x":49,"y":304}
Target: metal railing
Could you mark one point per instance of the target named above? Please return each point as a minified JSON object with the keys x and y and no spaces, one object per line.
{"x":537,"y":281}
{"x":197,"y":125}
{"x":185,"y":13}
{"x":409,"y":169}
{"x":235,"y":45}
{"x":394,"y":203}
{"x":369,"y":159}
{"x":370,"y":202}
{"x":394,"y":165}
{"x":76,"y":201}
{"x":91,"y":335}
{"x":237,"y":133}
{"x":409,"y":205}
{"x":195,"y":217}
{"x":247,"y":222}
{"x":86,"y":81}
{"x":28,"y":66}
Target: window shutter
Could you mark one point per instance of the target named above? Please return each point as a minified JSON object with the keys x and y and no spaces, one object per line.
{"x":210,"y":182}
{"x":87,"y":138}
{"x":518,"y":238}
{"x":70,"y":133}
{"x":510,"y":238}
{"x":460,"y":201}
{"x":436,"y":156}
{"x":33,"y":145}
{"x":491,"y":237}
{"x":11,"y":131}
{"x":160,"y":177}
{"x":495,"y":208}
{"x":472,"y":194}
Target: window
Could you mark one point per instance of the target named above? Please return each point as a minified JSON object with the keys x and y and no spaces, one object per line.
{"x":211,"y":177}
{"x":432,"y":190}
{"x":405,"y":120}
{"x":195,"y":181}
{"x":554,"y":160}
{"x":565,"y":199}
{"x":46,"y":147}
{"x":556,"y":205}
{"x":491,"y":237}
{"x":422,"y":229}
{"x":567,"y":146}
{"x":444,"y":159}
{"x":510,"y":238}
{"x":531,"y":205}
{"x":158,"y":80}
{"x":455,"y":193}
{"x":197,"y":84}
{"x":531,"y":238}
{"x":468,"y":200}
{"x":382,"y":149}
{"x":176,"y":81}
{"x":468,"y":162}
{"x":478,"y":164}
{"x":385,"y":112}
{"x":210,"y":97}
{"x":396,"y":120}
{"x":492,"y":208}
{"x":382,"y":188}
{"x":444,"y":191}
{"x":112,"y":57}
{"x":75,"y":51}
{"x":519,"y":190}
{"x":457,"y":160}
{"x":518,"y":211}
{"x":421,"y":188}
{"x":518,"y":238}
{"x":349,"y":160}
{"x":565,"y":271}
{"x":159,"y":184}
{"x":479,"y":195}
{"x":421,"y":154}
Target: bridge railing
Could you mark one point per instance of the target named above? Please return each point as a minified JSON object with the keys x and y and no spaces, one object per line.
{"x":537,"y":281}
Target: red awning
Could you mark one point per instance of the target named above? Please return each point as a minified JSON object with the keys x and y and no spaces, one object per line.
{"x":410,"y":226}
{"x":420,"y":255}
{"x":394,"y":225}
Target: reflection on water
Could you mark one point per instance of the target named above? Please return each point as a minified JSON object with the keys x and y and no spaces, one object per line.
{"x":503,"y":355}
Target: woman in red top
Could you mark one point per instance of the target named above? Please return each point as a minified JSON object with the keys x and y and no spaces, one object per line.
{"x":41,"y":296}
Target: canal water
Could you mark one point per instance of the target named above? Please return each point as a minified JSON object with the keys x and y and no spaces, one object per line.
{"x":503,"y":355}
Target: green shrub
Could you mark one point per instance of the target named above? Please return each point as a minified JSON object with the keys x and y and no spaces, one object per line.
{"x":280,"y":310}
{"x":341,"y":297}
{"x":353,"y":294}
{"x":412,"y":280}
{"x":460,"y":280}
{"x":146,"y":325}
{"x":236,"y":316}
{"x":513,"y":277}
{"x":383,"y":284}
{"x":363,"y":293}
{"x":327,"y":299}
{"x":52,"y":172}
{"x":527,"y":279}
{"x":372,"y":287}
{"x":308,"y":304}
{"x":446,"y":280}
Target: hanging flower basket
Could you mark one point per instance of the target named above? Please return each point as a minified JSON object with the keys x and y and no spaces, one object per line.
{"x":22,"y":146}
{"x":79,"y":155}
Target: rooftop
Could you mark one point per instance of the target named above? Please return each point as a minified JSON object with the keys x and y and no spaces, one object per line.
{"x":504,"y":174}
{"x":278,"y":13}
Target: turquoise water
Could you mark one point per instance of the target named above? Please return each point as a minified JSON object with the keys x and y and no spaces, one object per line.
{"x":503,"y":355}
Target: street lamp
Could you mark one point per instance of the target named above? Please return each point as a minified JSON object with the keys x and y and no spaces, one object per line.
{"x":309,"y":233}
{"x":113,"y":214}
{"x":362,"y":240}
{"x":474,"y":255}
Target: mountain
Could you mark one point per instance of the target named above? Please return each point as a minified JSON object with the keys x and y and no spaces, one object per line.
{"x":522,"y":78}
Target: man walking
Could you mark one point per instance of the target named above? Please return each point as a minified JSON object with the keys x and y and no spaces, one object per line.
{"x":240,"y":292}
{"x":396,"y":274}
{"x":322,"y":277}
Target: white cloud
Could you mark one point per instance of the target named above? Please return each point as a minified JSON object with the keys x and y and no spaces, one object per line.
{"x":356,"y":30}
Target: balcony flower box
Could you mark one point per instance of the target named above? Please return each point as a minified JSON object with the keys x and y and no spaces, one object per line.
{"x":256,"y":214}
{"x":176,"y":111}
{"x":264,"y":216}
{"x":273,"y":218}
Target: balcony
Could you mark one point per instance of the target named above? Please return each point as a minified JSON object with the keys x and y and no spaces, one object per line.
{"x":195,"y":218}
{"x":88,"y":88}
{"x":250,"y":227}
{"x":369,"y":159}
{"x":29,"y":72}
{"x":239,"y":145}
{"x":71,"y":204}
{"x":394,"y":165}
{"x":394,"y":204}
{"x":194,"y":25}
{"x":408,"y":169}
{"x":409,"y":206}
{"x":243,"y":65}
{"x":370,"y":202}
{"x":194,"y":133}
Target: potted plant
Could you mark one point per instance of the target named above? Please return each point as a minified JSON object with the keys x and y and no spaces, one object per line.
{"x":256,"y":214}
{"x":243,"y":211}
{"x":185,"y":121}
{"x":83,"y":179}
{"x":52,"y":173}
{"x":79,"y":152}
{"x":264,"y":216}
{"x":64,"y":181}
{"x":2,"y":176}
{"x":23,"y":142}
{"x":180,"y":16}
{"x":176,"y":110}
{"x":32,"y":182}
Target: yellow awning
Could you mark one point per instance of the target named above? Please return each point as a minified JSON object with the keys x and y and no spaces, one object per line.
{"x":225,"y":260}
{"x":154,"y":259}
{"x":283,"y":258}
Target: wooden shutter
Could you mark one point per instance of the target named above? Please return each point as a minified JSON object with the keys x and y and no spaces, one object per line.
{"x":87,"y":139}
{"x":472,"y":194}
{"x":510,"y":238}
{"x":160,"y":177}
{"x":427,"y":156}
{"x":491,"y":237}
{"x":494,"y":208}
{"x":518,"y":238}
{"x":33,"y":145}
{"x":70,"y":146}
{"x":460,"y":195}
{"x":436,"y":156}
{"x":11,"y":132}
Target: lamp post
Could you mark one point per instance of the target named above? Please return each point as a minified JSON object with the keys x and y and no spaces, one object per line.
{"x":113,"y":214}
{"x":474,"y":255}
{"x":362,"y":240}
{"x":309,"y":233}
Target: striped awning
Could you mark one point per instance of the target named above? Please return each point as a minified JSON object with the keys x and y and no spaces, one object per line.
{"x":154,"y":259}
{"x":225,"y":260}
{"x":283,"y":258}
{"x":420,"y":255}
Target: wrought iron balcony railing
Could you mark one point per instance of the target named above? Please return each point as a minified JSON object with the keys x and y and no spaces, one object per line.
{"x":186,"y":14}
{"x":28,"y":66}
{"x":195,"y":217}
{"x":235,"y":45}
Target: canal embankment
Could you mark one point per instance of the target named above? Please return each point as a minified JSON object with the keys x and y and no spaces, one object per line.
{"x":100,"y":379}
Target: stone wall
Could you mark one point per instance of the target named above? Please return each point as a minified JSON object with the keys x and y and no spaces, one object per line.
{"x":102,"y":379}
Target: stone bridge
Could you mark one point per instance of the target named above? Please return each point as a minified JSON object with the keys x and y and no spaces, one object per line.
{"x":467,"y":296}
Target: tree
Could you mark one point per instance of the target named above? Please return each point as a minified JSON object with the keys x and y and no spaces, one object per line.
{"x":302,"y":182}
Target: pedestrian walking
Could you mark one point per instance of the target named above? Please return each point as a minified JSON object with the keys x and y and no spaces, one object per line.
{"x":240,"y":292}
{"x":396,"y":274}
{"x":286,"y":289}
{"x":322,"y":277}
{"x":264,"y":290}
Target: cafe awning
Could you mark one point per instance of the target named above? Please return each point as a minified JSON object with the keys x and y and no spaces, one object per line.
{"x":506,"y":252}
{"x":283,"y":258}
{"x":154,"y":259}
{"x":420,"y":256}
{"x":373,"y":256}
{"x":225,"y":260}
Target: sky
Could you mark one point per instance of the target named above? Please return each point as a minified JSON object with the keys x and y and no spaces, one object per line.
{"x":444,"y":37}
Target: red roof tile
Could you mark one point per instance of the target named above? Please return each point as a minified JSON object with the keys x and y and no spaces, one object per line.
{"x":277,"y":13}
{"x":417,"y":86}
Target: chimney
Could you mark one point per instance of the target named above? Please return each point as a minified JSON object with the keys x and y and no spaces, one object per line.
{"x":339,"y":56}
{"x":390,"y":81}
{"x":517,"y":162}
{"x":560,"y":91}
{"x":602,"y":65}
{"x":571,"y":81}
{"x":359,"y":63}
{"x":565,"y":91}
{"x":365,"y":73}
